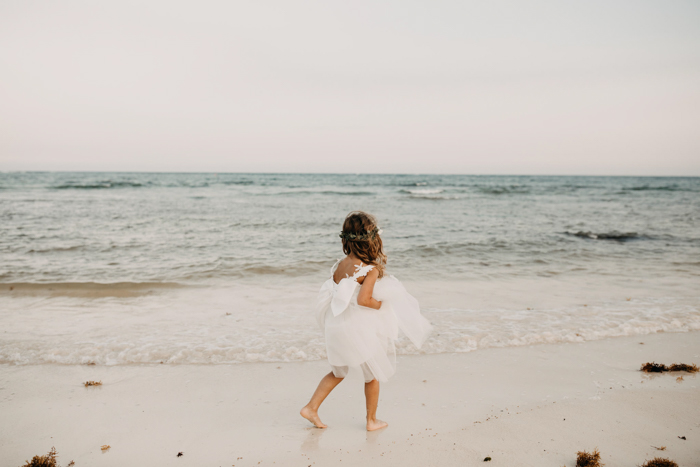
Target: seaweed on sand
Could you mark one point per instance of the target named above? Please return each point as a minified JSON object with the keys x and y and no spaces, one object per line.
{"x":49,"y":460}
{"x":92,"y":383}
{"x":692,"y":368}
{"x":659,"y":462}
{"x":653,"y":367}
{"x":588,"y":459}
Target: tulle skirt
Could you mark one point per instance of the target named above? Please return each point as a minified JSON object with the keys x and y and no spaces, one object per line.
{"x":364,"y":337}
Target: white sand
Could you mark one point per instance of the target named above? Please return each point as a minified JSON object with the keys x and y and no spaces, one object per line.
{"x":524,"y":406}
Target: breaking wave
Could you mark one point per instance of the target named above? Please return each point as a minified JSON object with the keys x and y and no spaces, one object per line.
{"x":229,"y":336}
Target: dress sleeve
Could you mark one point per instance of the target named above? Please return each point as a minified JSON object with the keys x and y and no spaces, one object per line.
{"x":334,"y":267}
{"x":342,"y":296}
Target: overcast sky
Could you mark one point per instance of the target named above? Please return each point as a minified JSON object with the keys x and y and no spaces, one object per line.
{"x":434,"y":86}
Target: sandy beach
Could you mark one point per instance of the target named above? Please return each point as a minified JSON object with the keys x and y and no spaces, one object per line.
{"x":528,"y":406}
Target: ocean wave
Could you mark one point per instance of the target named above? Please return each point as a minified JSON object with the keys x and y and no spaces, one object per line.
{"x":307,"y":267}
{"x":434,"y":197}
{"x":320,"y":192}
{"x":55,"y":249}
{"x":239,"y":337}
{"x":423,"y":191}
{"x":238,"y":182}
{"x":85,"y":289}
{"x":614,"y":235}
{"x":223,"y":268}
{"x":673,"y":187}
{"x":434,"y":194}
{"x":447,"y":248}
{"x":409,"y":184}
{"x":502,"y":190}
{"x":107,"y":184}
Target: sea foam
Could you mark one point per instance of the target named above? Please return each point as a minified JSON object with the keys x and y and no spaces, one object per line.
{"x":276,"y":324}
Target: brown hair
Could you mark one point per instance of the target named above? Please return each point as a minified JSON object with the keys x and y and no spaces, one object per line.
{"x":368,"y":247}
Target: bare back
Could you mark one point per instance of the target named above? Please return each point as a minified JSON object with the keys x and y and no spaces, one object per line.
{"x":346,"y":268}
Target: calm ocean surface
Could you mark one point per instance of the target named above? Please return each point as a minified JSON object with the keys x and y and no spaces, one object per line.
{"x":121,"y":268}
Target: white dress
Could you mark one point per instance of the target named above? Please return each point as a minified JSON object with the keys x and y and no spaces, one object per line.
{"x":357,"y":336}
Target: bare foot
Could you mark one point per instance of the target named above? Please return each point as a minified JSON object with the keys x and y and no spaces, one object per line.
{"x":312,"y":416}
{"x":376,"y":425}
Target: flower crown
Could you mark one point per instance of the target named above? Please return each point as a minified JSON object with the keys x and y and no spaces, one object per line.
{"x":369,"y":235}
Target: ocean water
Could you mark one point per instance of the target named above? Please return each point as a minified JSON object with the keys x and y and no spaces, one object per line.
{"x":124,"y":268}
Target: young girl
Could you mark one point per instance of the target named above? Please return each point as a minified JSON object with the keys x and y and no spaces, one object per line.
{"x":362,"y":323}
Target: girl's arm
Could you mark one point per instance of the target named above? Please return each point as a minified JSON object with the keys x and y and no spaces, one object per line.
{"x":364,"y":297}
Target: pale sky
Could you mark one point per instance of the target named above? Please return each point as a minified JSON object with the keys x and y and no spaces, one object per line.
{"x":434,"y":86}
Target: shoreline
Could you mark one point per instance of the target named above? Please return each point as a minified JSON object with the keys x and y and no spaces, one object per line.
{"x":443,"y":409}
{"x":275,"y":322}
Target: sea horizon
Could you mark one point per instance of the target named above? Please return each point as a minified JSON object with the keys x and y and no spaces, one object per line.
{"x":444,"y":174}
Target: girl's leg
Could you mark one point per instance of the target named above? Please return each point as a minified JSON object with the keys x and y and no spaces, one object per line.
{"x":372,"y":396}
{"x":310,"y":410}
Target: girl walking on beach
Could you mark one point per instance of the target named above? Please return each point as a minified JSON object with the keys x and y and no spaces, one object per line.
{"x":360,"y":310}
